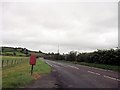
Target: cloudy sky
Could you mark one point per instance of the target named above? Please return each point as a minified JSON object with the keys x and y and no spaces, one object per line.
{"x":81,"y":26}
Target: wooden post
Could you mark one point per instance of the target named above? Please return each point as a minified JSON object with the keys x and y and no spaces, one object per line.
{"x":15,"y":61}
{"x":31,"y":69}
{"x":2,"y":63}
{"x":7,"y":62}
{"x":11,"y":62}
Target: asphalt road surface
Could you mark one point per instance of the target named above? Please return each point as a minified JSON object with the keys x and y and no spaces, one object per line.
{"x":79,"y":76}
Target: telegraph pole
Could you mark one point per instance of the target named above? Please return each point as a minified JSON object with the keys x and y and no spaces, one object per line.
{"x":58,"y":53}
{"x":58,"y":49}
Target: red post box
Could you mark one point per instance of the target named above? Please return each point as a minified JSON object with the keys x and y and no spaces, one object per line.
{"x":32,"y":59}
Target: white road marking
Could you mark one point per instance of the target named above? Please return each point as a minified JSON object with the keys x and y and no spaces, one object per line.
{"x":49,"y":64}
{"x":52,"y":65}
{"x":95,"y":68}
{"x":105,"y":76}
{"x":64,"y":64}
{"x":111,"y":78}
{"x":93,"y":72}
{"x":101,"y":69}
{"x":55,"y":65}
{"x":88,"y":71}
{"x":73,"y":66}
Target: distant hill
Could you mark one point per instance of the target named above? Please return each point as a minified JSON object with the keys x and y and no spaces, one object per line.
{"x":19,"y":51}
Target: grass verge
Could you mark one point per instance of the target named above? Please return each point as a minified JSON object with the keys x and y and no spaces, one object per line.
{"x":103,"y":66}
{"x":19,"y":75}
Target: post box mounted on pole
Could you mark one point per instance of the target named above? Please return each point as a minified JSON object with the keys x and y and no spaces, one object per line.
{"x":32,"y":61}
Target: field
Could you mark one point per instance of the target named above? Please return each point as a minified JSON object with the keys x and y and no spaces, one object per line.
{"x":21,"y":52}
{"x":11,"y":61}
{"x":18,"y":74}
{"x":11,"y":53}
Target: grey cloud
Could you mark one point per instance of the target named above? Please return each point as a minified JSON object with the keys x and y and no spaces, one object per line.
{"x":74,"y":26}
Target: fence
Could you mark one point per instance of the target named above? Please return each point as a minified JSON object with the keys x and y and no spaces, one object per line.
{"x":6,"y":63}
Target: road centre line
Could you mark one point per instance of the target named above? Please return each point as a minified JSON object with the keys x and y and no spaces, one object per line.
{"x":64,"y":65}
{"x":105,"y":76}
{"x":111,"y":78}
{"x":87,"y":71}
{"x":57,"y":63}
{"x":102,"y":69}
{"x":93,"y":73}
{"x":96,"y":68}
{"x":73,"y":66}
{"x":84,"y":66}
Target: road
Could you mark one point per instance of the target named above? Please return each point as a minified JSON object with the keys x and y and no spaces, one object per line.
{"x":79,"y":76}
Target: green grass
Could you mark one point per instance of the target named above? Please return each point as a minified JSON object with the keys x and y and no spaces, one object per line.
{"x":19,"y":75}
{"x":7,"y":53}
{"x":12,"y":53}
{"x":42,"y":67}
{"x":12,"y":57}
{"x":103,"y":66}
{"x":20,"y":54}
{"x":12,"y":60}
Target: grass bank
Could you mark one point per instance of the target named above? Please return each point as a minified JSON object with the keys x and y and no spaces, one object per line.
{"x":102,"y":66}
{"x":19,"y":75}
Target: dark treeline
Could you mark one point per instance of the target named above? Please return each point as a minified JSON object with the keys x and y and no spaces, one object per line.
{"x":54,"y":56}
{"x":110,"y":57}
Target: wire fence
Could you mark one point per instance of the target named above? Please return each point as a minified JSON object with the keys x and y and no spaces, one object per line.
{"x":6,"y":63}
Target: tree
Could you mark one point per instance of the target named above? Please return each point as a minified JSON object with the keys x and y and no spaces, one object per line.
{"x":72,"y":56}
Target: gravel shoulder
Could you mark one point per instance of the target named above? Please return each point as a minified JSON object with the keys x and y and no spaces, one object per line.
{"x":45,"y":81}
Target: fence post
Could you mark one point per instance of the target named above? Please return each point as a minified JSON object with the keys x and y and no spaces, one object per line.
{"x":15,"y":61}
{"x":7,"y":62}
{"x":2,"y":63}
{"x":11,"y":62}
